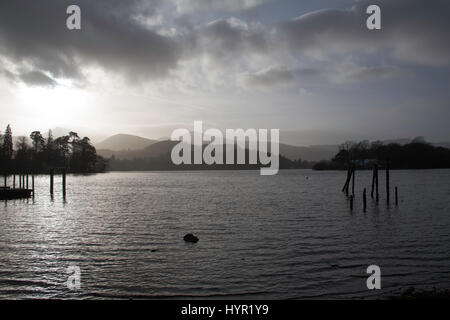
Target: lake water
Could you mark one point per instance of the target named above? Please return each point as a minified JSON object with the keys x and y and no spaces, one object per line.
{"x":261,"y":237}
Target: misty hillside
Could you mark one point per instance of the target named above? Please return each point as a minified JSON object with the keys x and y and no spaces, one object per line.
{"x":120,"y":142}
{"x":442,"y":144}
{"x":126,"y":147}
{"x":156,"y":149}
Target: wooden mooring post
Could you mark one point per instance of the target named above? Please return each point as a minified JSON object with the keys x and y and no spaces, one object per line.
{"x":32,"y":184}
{"x":353,"y":180}
{"x":364,"y":200}
{"x":396,"y":196}
{"x":347,"y":181}
{"x":373,"y":182}
{"x":14,"y":181}
{"x":52,"y":172}
{"x":27,"y":182}
{"x":64,"y":182}
{"x":377,"y":195}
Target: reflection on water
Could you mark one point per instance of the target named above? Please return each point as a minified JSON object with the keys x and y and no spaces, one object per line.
{"x":285,"y":236}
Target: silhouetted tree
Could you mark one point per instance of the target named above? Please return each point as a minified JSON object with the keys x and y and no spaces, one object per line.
{"x":6,"y":150}
{"x":23,"y":154}
{"x":62,"y":150}
{"x":50,"y":150}
{"x":38,"y":143}
{"x":7,"y":147}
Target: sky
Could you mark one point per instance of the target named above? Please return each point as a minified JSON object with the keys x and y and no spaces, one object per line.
{"x":309,"y":68}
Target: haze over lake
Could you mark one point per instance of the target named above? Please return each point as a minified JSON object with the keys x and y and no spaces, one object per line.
{"x":286,"y":236}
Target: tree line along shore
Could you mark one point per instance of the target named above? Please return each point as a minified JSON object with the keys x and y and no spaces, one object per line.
{"x":418,"y":154}
{"x":38,"y":154}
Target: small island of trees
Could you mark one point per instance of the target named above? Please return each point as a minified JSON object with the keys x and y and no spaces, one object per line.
{"x":37,"y":154}
{"x":418,"y":154}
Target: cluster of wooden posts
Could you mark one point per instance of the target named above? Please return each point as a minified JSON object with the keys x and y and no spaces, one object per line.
{"x":374,"y":191}
{"x":23,"y":186}
{"x":22,"y":183}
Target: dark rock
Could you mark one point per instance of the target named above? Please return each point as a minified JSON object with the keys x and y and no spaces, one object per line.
{"x":190,"y":238}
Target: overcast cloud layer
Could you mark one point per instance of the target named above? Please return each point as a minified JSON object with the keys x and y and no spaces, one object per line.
{"x":224,"y":63}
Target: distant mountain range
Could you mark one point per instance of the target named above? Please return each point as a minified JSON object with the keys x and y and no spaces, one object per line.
{"x":129,"y":147}
{"x":125,"y":146}
{"x":120,"y":142}
{"x":153,"y":149}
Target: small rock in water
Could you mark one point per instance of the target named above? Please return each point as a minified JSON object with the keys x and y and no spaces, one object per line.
{"x":190,"y":238}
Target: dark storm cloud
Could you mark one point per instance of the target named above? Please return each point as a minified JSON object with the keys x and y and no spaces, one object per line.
{"x":369,"y":73}
{"x":276,"y":77}
{"x":33,"y":34}
{"x":31,"y":78}
{"x":7,"y":74}
{"x":34,"y":38}
{"x":223,"y":38}
{"x":273,"y":77}
{"x":37,"y":78}
{"x":415,"y":31}
{"x":220,"y":5}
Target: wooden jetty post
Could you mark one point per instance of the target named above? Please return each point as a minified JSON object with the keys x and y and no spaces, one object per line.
{"x":23,"y":182}
{"x":387,"y":181}
{"x":64,"y":182}
{"x":32,"y":183}
{"x":373,"y":182}
{"x":364,"y":200}
{"x":351,"y":202}
{"x":377,"y":195}
{"x":6,"y":180}
{"x":353,"y":181}
{"x":27,"y":182}
{"x":347,"y":181}
{"x":52,"y":172}
{"x":396,"y":196}
{"x":14,"y":181}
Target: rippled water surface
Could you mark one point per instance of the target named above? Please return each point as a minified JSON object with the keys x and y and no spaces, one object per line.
{"x":285,"y":236}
